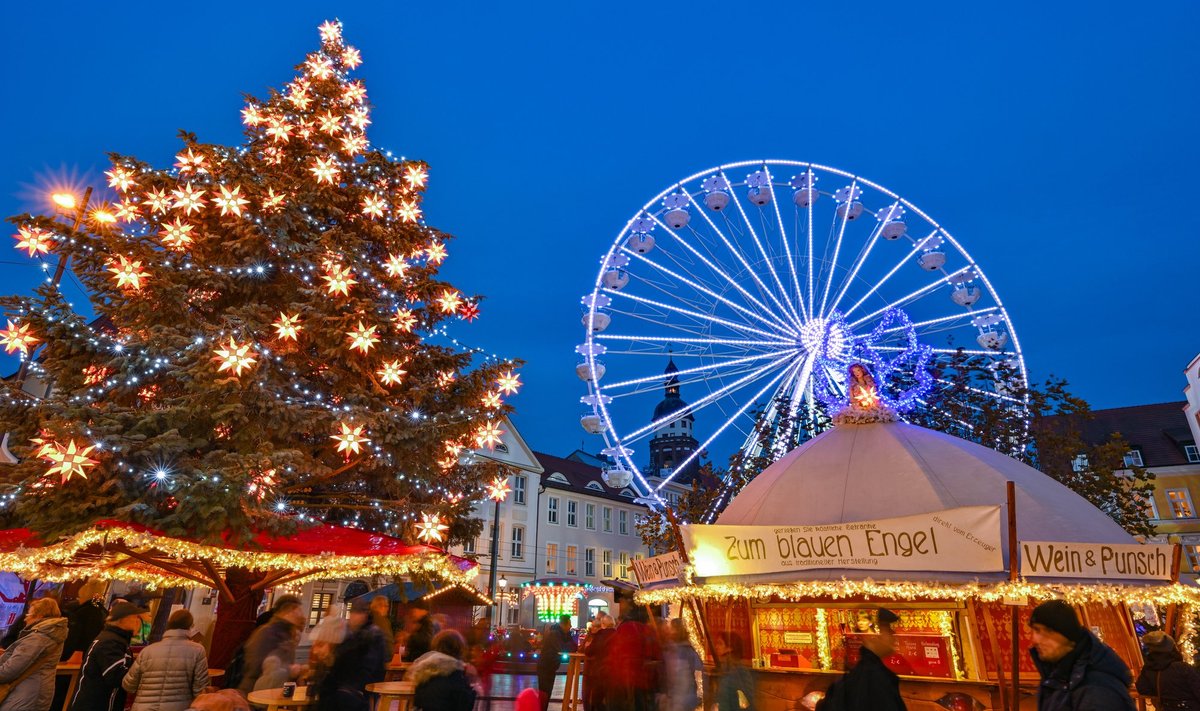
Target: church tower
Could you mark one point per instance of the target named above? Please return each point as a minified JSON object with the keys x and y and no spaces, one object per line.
{"x":673,"y":440}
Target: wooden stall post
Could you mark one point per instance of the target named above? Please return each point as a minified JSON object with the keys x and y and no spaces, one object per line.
{"x":1173,"y":609}
{"x":1014,"y":611}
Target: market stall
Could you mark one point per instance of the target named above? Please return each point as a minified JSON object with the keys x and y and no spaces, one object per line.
{"x":917,"y":521}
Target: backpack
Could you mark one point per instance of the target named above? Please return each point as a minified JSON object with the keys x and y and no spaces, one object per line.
{"x":835,"y":697}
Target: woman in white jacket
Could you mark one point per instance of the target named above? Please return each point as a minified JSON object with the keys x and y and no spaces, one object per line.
{"x":168,"y":674}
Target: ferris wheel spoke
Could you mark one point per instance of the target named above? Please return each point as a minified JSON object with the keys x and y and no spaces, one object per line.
{"x":740,"y":327}
{"x":981,"y":391}
{"x":763,"y":309}
{"x":770,"y":261}
{"x":860,"y":261}
{"x":911,"y":296}
{"x":685,"y":382}
{"x":705,"y":290}
{"x":740,"y":411}
{"x":773,"y":344}
{"x":787,"y":248}
{"x":837,"y":248}
{"x":763,"y":289}
{"x":658,"y":378}
{"x":708,"y":399}
{"x":905,"y":260}
{"x":945,"y":351}
{"x":811,"y":256}
{"x":945,"y":319}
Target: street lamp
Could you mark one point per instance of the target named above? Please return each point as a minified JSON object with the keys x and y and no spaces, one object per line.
{"x":502,"y":596}
{"x":497,"y":491}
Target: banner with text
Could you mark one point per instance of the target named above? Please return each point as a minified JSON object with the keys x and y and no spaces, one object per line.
{"x":965,"y":540}
{"x":667,"y":566}
{"x":1127,"y":561}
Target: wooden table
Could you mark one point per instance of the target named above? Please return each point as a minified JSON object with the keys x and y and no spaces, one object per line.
{"x":273,"y":699}
{"x":388,"y":691}
{"x":395,"y":670}
{"x":71,"y":668}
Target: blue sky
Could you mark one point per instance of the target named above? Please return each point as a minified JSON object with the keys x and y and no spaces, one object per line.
{"x":1056,"y":141}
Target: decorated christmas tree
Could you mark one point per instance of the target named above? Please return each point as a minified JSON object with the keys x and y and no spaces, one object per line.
{"x":269,"y":342}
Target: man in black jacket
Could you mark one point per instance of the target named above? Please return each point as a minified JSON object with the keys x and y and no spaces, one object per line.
{"x":555,"y":641}
{"x":107,"y":661}
{"x":870,"y":685}
{"x":277,"y":638}
{"x":1079,"y":672}
{"x":361,"y":659}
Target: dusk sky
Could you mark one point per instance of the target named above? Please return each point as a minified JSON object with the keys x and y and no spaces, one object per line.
{"x":1057,"y":142}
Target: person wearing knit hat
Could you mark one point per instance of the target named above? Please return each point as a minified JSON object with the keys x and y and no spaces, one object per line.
{"x":870,"y":685}
{"x":1079,"y":672}
{"x":1173,"y":683}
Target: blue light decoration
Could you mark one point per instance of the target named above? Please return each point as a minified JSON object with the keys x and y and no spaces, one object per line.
{"x":836,"y":353}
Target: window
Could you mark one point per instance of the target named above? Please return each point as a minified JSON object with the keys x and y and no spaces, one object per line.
{"x":469,"y":545}
{"x":589,"y":562}
{"x":552,"y":558}
{"x":514,"y":614}
{"x":1193,"y":554}
{"x":1133,"y":458}
{"x":1192,"y":452}
{"x":572,"y":513}
{"x":623,"y":522}
{"x":1181,"y":503}
{"x":1080,"y":463}
{"x":518,"y":542}
{"x":318,"y":608}
{"x":1151,"y":507}
{"x":519,"y":483}
{"x":569,"y":568}
{"x":607,"y":520}
{"x":552,"y":510}
{"x":589,"y":516}
{"x":623,"y":570}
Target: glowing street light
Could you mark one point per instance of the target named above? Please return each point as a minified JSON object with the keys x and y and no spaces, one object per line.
{"x":65,"y":201}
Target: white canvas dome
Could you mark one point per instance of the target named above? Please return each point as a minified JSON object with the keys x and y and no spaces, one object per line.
{"x":884,"y":470}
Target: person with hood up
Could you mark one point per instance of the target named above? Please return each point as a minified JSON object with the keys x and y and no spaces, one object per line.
{"x":361,"y":659}
{"x":27,"y":668}
{"x":107,"y":661}
{"x":440,"y":676}
{"x":277,"y":638}
{"x":168,"y":674}
{"x":1174,"y":685}
{"x":1079,"y":672}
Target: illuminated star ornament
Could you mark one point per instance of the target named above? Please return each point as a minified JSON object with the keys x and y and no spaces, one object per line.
{"x":489,"y":435}
{"x":391,"y":373}
{"x":436,"y":253}
{"x":120,"y":178}
{"x":374,"y":206}
{"x":395,"y":266}
{"x":188,"y":199}
{"x":331,"y":31}
{"x":468,"y":311}
{"x":338,"y":280}
{"x":128,"y":273}
{"x":498,"y":490}
{"x":262,"y":482}
{"x":69,"y":460}
{"x":177,"y":235}
{"x":508,"y":383}
{"x":416,"y":176}
{"x":350,"y":440}
{"x":230,"y":201}
{"x":405,"y":319}
{"x":431,"y":529}
{"x":157,"y":200}
{"x":408,"y":211}
{"x":325,"y":170}
{"x":288,"y":327}
{"x":34,"y":240}
{"x":17,"y":338}
{"x":190,"y":162}
{"x":449,"y":301}
{"x":492,"y":400}
{"x":363,"y":338}
{"x":235,"y":357}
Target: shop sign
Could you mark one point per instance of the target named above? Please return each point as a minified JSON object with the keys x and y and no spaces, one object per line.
{"x":965,"y":539}
{"x":667,"y":566}
{"x":1124,"y":561}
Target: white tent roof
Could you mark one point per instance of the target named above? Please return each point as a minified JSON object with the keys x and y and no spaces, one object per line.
{"x":884,"y":470}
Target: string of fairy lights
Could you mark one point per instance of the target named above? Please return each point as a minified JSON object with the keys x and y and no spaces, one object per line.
{"x":164,"y":221}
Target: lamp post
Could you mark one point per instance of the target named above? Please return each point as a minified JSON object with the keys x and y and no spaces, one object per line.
{"x":503,"y":595}
{"x":497,"y":491}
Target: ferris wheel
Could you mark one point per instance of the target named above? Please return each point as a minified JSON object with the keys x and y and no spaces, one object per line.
{"x":759,"y":282}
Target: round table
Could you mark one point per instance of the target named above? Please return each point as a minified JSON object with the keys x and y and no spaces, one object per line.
{"x":388,"y":691}
{"x":273,"y":699}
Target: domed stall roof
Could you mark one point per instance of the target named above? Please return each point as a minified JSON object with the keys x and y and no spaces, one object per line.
{"x":862,"y":472}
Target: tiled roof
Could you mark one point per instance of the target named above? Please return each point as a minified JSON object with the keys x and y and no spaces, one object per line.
{"x":1158,"y":430}
{"x":578,"y":476}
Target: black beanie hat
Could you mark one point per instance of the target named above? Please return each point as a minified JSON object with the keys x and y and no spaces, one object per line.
{"x":1058,"y":616}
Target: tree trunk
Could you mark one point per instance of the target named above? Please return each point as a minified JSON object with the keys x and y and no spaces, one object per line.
{"x":235,"y":621}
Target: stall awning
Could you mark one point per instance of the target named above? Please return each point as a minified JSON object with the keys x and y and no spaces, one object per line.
{"x":454,"y":595}
{"x":121,"y":550}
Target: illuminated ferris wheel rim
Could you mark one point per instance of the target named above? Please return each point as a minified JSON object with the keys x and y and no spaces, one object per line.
{"x":599,"y":401}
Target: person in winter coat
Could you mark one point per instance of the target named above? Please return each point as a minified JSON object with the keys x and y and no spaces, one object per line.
{"x":440,"y":676}
{"x":870,"y":685}
{"x":1174,"y":685}
{"x":1079,"y":672}
{"x":278,"y":638}
{"x":556,"y":640}
{"x":632,"y":663}
{"x":381,"y":617}
{"x":420,"y":632}
{"x":361,"y":659}
{"x":107,"y":661}
{"x":595,"y":654}
{"x":168,"y":674}
{"x":735,"y":685}
{"x":83,"y":626}
{"x":29,"y":664}
{"x":680,"y":666}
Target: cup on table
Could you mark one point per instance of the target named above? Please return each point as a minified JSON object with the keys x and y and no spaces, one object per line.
{"x":289,"y":689}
